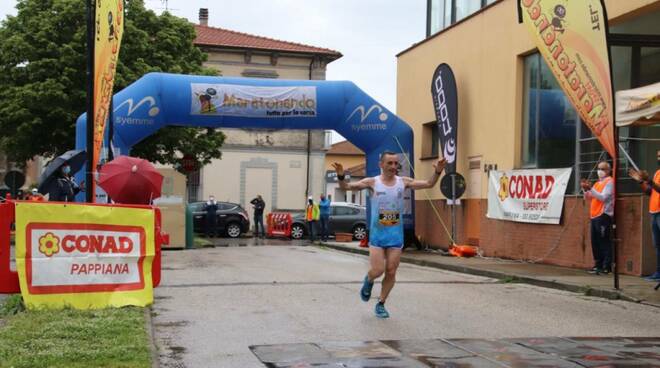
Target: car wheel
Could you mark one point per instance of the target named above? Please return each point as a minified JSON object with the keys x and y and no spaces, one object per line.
{"x":233,"y":230}
{"x":297,"y":231}
{"x":359,"y":232}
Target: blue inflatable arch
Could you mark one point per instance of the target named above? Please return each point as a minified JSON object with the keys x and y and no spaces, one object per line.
{"x":158,"y":100}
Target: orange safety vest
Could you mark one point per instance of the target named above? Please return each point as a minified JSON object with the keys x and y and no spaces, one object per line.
{"x":598,"y":207}
{"x":654,"y":202}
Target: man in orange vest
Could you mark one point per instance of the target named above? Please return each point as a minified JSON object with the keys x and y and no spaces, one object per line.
{"x":601,"y":213}
{"x":652,"y":188}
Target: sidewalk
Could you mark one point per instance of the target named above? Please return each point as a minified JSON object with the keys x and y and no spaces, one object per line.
{"x":632,"y":288}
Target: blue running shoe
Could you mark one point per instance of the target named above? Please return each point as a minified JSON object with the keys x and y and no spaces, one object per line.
{"x":380,"y":311}
{"x":365,"y":292}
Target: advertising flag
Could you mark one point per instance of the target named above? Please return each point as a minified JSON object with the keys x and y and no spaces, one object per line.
{"x":109,"y":26}
{"x":571,"y":36}
{"x":81,"y":256}
{"x":445,"y":103}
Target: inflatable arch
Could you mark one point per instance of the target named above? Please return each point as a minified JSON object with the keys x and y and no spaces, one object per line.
{"x":158,"y":100}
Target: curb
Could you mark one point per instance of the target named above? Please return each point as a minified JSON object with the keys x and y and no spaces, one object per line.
{"x":585,"y":290}
{"x":149,"y":324}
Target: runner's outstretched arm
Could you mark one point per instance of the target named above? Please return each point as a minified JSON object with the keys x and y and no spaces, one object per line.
{"x":430,"y":182}
{"x":366,"y":183}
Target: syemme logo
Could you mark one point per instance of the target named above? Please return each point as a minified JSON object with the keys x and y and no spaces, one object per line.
{"x":364,"y":114}
{"x":132,"y":107}
{"x":525,"y":187}
{"x":87,"y":257}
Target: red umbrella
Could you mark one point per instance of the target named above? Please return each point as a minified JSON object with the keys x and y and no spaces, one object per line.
{"x":130,"y":180}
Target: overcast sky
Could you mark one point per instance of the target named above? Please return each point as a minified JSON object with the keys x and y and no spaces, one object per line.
{"x":369,"y":33}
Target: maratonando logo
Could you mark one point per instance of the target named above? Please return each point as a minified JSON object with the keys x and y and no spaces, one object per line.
{"x":364,"y":124}
{"x":132,"y":107}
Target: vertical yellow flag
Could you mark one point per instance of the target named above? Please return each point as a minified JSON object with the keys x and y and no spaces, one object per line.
{"x":571,"y":36}
{"x":109,"y":27}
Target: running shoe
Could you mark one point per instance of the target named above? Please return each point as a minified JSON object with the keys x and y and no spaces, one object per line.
{"x":365,"y":292}
{"x":380,"y":310}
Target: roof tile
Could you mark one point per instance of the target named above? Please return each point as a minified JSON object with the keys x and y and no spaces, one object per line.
{"x":212,"y":36}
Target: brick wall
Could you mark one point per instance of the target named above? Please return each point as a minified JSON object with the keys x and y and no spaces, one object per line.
{"x":567,"y":244}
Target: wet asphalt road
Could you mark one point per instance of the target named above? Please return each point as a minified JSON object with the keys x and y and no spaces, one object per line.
{"x":214,"y":303}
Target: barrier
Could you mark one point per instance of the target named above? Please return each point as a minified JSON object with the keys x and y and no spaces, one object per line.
{"x":279,"y":224}
{"x":9,"y":280}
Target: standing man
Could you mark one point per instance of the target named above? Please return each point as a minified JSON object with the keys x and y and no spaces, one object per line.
{"x":258,"y":204}
{"x":652,"y":188}
{"x":211,"y":208}
{"x":601,"y":212}
{"x":312,"y":216}
{"x":324,"y":210}
{"x":386,"y":225}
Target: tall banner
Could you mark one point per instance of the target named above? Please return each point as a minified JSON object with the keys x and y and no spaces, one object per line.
{"x":571,"y":36}
{"x":445,"y":102}
{"x":81,"y":256}
{"x":534,"y":196}
{"x":109,"y":28}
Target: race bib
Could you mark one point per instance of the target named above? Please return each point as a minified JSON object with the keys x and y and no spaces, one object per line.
{"x":388,"y":218}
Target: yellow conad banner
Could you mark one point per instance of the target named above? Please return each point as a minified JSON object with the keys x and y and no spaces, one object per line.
{"x":84,"y":256}
{"x":571,"y":36}
{"x":109,"y":27}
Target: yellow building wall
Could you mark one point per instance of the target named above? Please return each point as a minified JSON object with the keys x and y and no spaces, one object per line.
{"x":485,"y":52}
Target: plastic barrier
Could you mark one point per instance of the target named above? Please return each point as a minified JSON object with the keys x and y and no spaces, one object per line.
{"x":9,"y":283}
{"x":279,"y":224}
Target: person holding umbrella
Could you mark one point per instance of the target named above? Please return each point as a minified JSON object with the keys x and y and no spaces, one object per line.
{"x":66,"y":188}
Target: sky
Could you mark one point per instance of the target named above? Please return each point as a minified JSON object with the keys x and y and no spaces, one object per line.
{"x":369,"y":33}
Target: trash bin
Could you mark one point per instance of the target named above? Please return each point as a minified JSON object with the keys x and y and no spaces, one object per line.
{"x":190,"y":237}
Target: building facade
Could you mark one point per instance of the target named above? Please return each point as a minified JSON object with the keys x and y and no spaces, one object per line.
{"x":283,"y":166}
{"x":354,"y":162}
{"x":504,"y":124}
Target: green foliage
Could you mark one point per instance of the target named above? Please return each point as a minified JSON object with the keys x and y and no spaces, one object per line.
{"x":114,"y":337}
{"x":12,"y":305}
{"x":43,"y":76}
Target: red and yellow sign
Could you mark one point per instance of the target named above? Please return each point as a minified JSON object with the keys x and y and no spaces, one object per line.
{"x":84,"y":256}
{"x":109,"y":27}
{"x":571,"y":36}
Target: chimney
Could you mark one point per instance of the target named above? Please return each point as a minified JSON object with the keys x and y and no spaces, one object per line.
{"x":203,"y":16}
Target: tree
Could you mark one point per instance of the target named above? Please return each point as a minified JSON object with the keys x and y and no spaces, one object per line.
{"x":42,"y":77}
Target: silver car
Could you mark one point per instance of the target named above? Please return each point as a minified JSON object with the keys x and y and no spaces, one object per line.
{"x":344,"y":218}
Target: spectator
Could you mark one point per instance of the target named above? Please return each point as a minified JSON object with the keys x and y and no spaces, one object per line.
{"x":652,"y":188}
{"x":65,"y":188}
{"x":258,"y":204}
{"x":601,"y":212}
{"x":324,"y":214}
{"x":211,"y":208}
{"x":311,"y":216}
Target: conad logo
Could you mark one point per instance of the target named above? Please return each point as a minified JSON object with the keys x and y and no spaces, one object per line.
{"x":50,"y":244}
{"x":525,"y":187}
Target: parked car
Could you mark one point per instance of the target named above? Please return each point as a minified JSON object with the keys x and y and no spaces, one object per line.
{"x":232,"y":218}
{"x":344,"y":218}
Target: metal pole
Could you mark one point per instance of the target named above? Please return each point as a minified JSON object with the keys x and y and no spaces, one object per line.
{"x":89,"y":173}
{"x":111,"y":127}
{"x":453,"y":208}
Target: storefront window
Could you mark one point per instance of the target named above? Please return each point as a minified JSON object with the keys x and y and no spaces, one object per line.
{"x":549,"y":122}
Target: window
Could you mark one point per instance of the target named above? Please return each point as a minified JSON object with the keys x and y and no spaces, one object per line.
{"x":440,"y":14}
{"x":430,"y":140}
{"x":463,"y":8}
{"x":549,"y":121}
